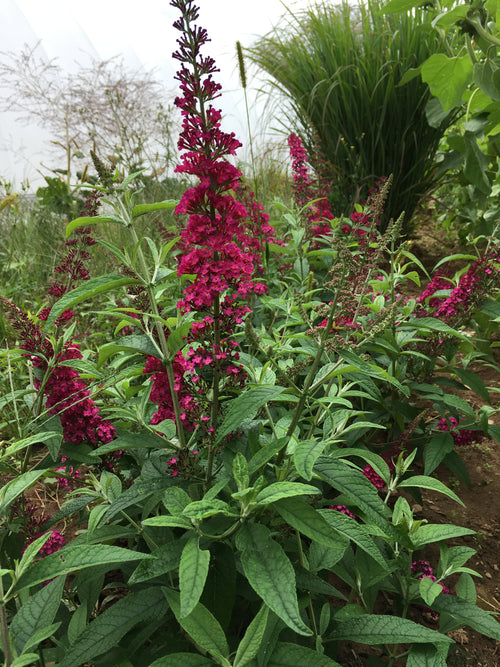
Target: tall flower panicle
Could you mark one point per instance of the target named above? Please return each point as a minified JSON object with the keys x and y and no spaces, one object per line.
{"x":66,"y":394}
{"x":218,"y":241}
{"x":307,"y":189}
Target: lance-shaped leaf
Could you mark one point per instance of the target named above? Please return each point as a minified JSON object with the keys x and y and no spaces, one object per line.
{"x":73,"y":558}
{"x":252,"y":639}
{"x":305,"y":456}
{"x":434,"y":532}
{"x":201,"y":625}
{"x":357,"y":489}
{"x":141,"y":209}
{"x":350,"y":528}
{"x":109,"y":627}
{"x":424,"y":482}
{"x":18,"y":485}
{"x":380,"y":629}
{"x":290,"y":655}
{"x":278,"y":490}
{"x":165,"y":559}
{"x":244,"y":408}
{"x":271,"y":574}
{"x":87,"y":290}
{"x":193,"y":572}
{"x":467,"y":614}
{"x":85,"y":221}
{"x":308,"y":521}
{"x":182,"y":660}
{"x":37,"y":612}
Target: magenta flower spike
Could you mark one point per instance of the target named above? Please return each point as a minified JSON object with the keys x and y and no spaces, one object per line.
{"x":218,"y":242}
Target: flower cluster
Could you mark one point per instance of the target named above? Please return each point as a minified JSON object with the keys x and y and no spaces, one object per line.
{"x":462,"y":437}
{"x":308,"y":190}
{"x":73,"y":266}
{"x":71,"y":475}
{"x":186,"y":463}
{"x":218,"y":245}
{"x":65,"y":392}
{"x":193,"y":373}
{"x":31,"y":530}
{"x":343,"y":510}
{"x":463,"y":299}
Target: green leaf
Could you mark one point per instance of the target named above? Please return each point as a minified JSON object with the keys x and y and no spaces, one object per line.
{"x":358,"y":490}
{"x":436,"y":450}
{"x":466,"y":588}
{"x":193,"y":572}
{"x":244,"y":408}
{"x":201,"y":625}
{"x":26,"y":660}
{"x":467,"y":614}
{"x":429,"y":590}
{"x":182,"y":660}
{"x":372,"y":370}
{"x":165,"y":559}
{"x":305,"y":456}
{"x":357,"y":533}
{"x":252,"y":639}
{"x":109,"y":627}
{"x":136,"y":494}
{"x":308,"y":521}
{"x":91,"y":220}
{"x":396,"y":6}
{"x":474,"y":382}
{"x":279,"y":490}
{"x":380,"y":629}
{"x":202,"y":509}
{"x":433,"y":324}
{"x":18,"y":486}
{"x":175,"y":500}
{"x":447,"y":77}
{"x":41,"y":635}
{"x":291,"y":655}
{"x":31,"y":440}
{"x":430,"y":483}
{"x":484,"y":78}
{"x":140,"y":343}
{"x":37,"y":612}
{"x":476,"y":164}
{"x":265,"y":454}
{"x":425,"y":655}
{"x":87,"y":290}
{"x":270,"y":573}
{"x":170,"y":521}
{"x":141,"y":209}
{"x":240,"y":471}
{"x":435,"y":532}
{"x":73,"y":558}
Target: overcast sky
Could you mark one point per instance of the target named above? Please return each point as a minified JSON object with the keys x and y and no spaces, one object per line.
{"x":74,"y":30}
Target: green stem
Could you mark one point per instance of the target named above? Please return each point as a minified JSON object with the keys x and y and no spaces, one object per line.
{"x":214,"y":408}
{"x":309,"y":380}
{"x":141,"y":531}
{"x":161,"y":336}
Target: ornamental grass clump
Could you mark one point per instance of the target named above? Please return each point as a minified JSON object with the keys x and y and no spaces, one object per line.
{"x":339,"y":72}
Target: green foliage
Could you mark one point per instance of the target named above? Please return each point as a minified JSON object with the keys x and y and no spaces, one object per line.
{"x":286,"y":528}
{"x":342,"y":72}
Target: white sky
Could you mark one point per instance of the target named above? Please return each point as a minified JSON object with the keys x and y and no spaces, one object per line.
{"x":71,"y":30}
